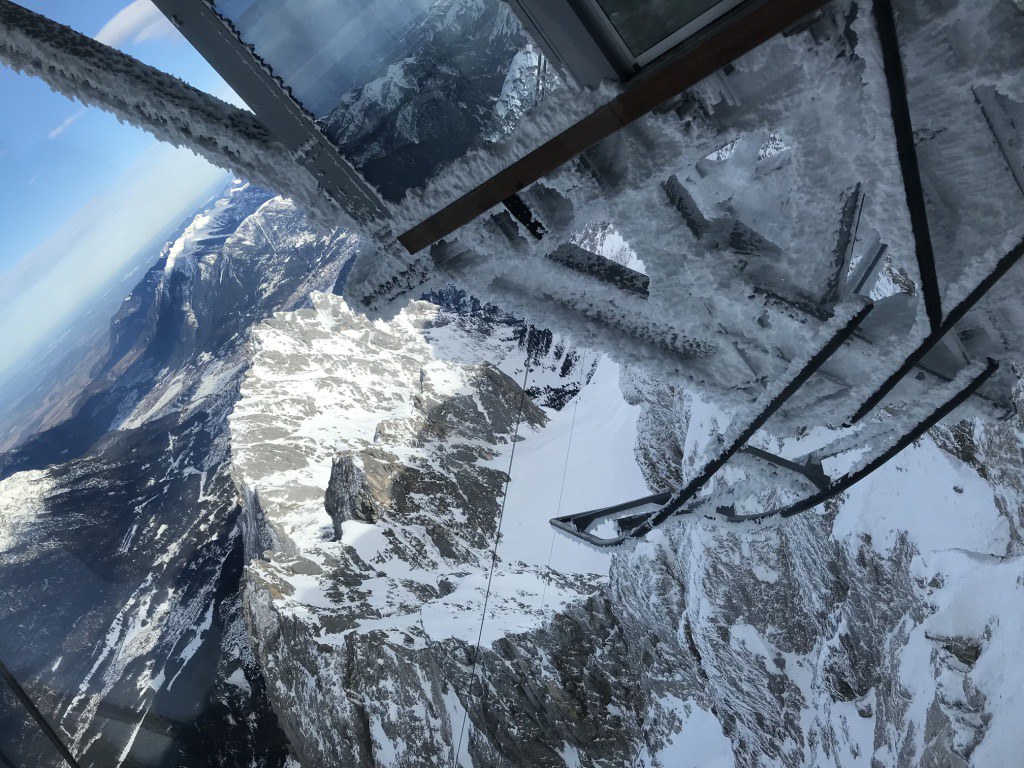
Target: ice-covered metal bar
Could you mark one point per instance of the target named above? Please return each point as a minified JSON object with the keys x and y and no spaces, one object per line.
{"x":173,"y":111}
{"x":274,"y":106}
{"x":875,"y":462}
{"x":899,"y":106}
{"x":766,"y":407}
{"x":955,"y":315}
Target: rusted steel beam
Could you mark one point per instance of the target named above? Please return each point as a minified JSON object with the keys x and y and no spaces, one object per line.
{"x":722,"y":42}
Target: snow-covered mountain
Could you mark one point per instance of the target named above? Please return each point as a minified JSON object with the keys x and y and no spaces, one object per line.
{"x":123,"y":521}
{"x":121,"y":551}
{"x":280,"y":542}
{"x":409,"y":450}
{"x":371,"y":458}
{"x":464,"y":76}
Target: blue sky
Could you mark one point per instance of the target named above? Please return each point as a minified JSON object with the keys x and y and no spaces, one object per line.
{"x":80,"y":193}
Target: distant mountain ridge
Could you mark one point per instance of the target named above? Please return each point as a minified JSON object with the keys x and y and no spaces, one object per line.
{"x":122,"y":521}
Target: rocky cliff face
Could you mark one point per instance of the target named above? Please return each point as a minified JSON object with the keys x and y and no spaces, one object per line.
{"x":120,"y":549}
{"x":461,"y":78}
{"x":372,"y":459}
{"x":372,"y":456}
{"x":844,"y":637}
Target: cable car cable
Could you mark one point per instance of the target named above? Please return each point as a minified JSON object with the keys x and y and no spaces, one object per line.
{"x":565,"y":471}
{"x":494,"y":550}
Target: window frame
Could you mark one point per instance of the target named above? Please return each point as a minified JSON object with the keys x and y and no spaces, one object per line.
{"x":607,"y":29}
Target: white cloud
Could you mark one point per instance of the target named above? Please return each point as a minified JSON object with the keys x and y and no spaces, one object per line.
{"x":138,"y":21}
{"x":65,"y":125}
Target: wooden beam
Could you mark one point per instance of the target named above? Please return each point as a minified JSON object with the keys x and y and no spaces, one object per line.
{"x":724,"y":41}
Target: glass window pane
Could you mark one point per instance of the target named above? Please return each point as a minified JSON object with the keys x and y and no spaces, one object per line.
{"x":643,"y":25}
{"x":403,"y":88}
{"x":323,"y":48}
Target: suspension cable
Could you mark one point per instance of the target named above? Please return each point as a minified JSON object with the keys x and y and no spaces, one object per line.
{"x":565,"y":471}
{"x":494,"y":550}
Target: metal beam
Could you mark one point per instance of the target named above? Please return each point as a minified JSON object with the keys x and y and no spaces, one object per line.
{"x":733,"y":35}
{"x":899,"y":106}
{"x":846,"y":482}
{"x":849,"y":223}
{"x":588,"y":263}
{"x":955,"y":316}
{"x":173,"y":111}
{"x":251,"y":78}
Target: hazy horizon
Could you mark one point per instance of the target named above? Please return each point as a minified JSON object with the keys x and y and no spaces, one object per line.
{"x":82,"y":193}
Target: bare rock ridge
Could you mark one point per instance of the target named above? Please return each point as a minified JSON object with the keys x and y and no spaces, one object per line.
{"x":411,"y":467}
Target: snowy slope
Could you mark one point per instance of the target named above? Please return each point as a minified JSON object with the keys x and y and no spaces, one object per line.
{"x":121,"y":551}
{"x":853,"y":635}
{"x":401,"y":433}
{"x":864,"y":633}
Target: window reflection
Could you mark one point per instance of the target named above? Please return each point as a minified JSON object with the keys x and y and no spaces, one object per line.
{"x":323,"y":48}
{"x":643,"y":25}
{"x":403,"y":87}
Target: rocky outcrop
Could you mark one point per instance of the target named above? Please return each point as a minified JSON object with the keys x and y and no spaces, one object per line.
{"x":839,"y":638}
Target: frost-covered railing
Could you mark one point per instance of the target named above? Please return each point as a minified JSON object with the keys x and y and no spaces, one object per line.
{"x":848,"y":319}
{"x":171,"y":110}
{"x":875,"y":443}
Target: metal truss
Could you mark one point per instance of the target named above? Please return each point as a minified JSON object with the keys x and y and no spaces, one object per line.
{"x":635,"y":519}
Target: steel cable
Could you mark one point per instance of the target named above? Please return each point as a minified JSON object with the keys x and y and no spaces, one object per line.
{"x":494,"y":550}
